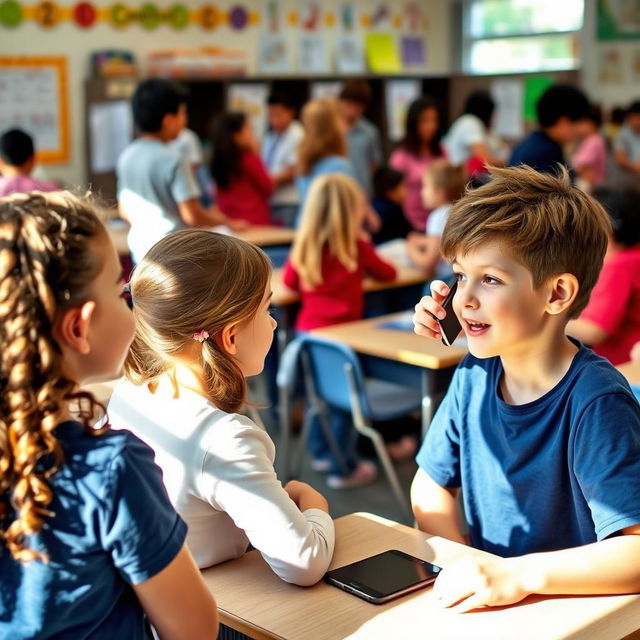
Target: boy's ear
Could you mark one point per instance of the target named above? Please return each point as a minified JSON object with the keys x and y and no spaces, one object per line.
{"x":227,"y":339}
{"x":563,"y":291}
{"x":73,"y":327}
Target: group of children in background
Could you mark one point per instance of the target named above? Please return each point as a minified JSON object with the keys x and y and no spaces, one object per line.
{"x":526,"y":250}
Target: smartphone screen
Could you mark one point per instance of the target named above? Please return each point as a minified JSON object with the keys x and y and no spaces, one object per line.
{"x":385,"y":576}
{"x":450,"y":326}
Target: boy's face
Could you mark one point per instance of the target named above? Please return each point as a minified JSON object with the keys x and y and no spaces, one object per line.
{"x":280,"y":117}
{"x":351,"y":111}
{"x":633,"y":120}
{"x":566,"y":130}
{"x":500,"y":310}
{"x":174,"y":123}
{"x":432,"y":197}
{"x":398,"y":194}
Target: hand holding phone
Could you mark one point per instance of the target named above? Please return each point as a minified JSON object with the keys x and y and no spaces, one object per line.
{"x":434,"y":316}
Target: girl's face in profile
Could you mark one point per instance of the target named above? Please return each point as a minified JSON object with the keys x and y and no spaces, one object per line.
{"x":253,"y":338}
{"x":244,"y":138}
{"x":428,"y":124}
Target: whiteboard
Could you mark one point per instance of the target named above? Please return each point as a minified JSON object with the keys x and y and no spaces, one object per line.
{"x":33,"y":97}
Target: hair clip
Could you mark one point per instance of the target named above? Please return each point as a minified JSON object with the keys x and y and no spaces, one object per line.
{"x":126,"y":294}
{"x":201,"y":336}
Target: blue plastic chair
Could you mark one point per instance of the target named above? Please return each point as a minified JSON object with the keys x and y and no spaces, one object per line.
{"x":335,"y":379}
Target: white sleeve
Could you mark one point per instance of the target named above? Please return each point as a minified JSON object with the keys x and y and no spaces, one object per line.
{"x":238,"y":477}
{"x":436,"y":221}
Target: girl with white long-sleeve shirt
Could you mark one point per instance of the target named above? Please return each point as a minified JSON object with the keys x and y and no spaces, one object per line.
{"x":201,"y":304}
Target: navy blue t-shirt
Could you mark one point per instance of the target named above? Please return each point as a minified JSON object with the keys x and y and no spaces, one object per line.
{"x":539,"y":151}
{"x":558,"y":472}
{"x":113,"y":527}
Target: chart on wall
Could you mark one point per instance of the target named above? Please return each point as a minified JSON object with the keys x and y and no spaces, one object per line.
{"x":33,"y":97}
{"x":618,"y":19}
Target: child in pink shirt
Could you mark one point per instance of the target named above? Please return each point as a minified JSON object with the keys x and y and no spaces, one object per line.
{"x":590,"y":159}
{"x":611,"y":321}
{"x":418,"y":149}
{"x":17,"y":159}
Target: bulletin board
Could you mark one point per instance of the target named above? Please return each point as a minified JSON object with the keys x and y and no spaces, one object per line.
{"x":33,"y":97}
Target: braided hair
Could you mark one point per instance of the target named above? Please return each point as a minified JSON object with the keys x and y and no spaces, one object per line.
{"x":46,"y":266}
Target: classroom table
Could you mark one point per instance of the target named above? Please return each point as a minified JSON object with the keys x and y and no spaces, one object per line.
{"x":253,"y":600}
{"x":405,"y":277}
{"x":260,"y":235}
{"x":370,"y":338}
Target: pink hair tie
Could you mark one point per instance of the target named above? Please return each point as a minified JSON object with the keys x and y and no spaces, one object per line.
{"x":201,"y":336}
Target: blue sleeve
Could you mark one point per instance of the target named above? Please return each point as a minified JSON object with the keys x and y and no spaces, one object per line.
{"x":439,"y":455}
{"x":183,"y":183}
{"x":140,"y":529}
{"x":606,"y":461}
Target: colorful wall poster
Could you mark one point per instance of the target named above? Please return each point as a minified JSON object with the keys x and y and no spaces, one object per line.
{"x":250,"y":98}
{"x":618,"y":19}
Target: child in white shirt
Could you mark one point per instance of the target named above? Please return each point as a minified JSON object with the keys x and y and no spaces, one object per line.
{"x":201,"y":305}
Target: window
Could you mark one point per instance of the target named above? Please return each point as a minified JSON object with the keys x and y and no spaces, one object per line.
{"x":506,"y":36}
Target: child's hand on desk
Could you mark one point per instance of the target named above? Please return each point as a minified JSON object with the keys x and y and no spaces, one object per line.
{"x":305,"y":496}
{"x":424,"y":322}
{"x":476,"y":582}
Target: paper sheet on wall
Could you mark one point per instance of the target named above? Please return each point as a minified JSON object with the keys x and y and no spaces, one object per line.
{"x":251,"y":98}
{"x":382,"y":53}
{"x":508,"y":95}
{"x":400,"y":94}
{"x":325,"y":89}
{"x":111,"y":130}
{"x":29,"y":101}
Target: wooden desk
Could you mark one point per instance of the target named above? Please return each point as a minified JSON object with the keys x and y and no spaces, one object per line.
{"x":406,"y":277}
{"x":262,"y":236}
{"x":267,"y":236}
{"x":367,"y":337}
{"x":252,"y":599}
{"x":631,"y":371}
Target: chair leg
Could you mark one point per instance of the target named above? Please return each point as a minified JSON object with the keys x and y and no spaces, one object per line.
{"x":284,"y":419}
{"x":387,"y":465}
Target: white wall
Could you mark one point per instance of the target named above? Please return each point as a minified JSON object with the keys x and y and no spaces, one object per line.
{"x":607,"y":94}
{"x":68,"y":39}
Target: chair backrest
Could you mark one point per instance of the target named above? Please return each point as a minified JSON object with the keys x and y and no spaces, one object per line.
{"x":328,"y":360}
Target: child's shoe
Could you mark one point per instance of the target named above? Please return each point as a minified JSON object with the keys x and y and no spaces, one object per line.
{"x":365,"y":473}
{"x":322,"y":465}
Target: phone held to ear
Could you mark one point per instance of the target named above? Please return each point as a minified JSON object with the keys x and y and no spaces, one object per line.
{"x":383,"y":577}
{"x":450,"y":326}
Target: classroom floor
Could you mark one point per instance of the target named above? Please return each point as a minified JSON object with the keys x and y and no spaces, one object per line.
{"x":375,"y":498}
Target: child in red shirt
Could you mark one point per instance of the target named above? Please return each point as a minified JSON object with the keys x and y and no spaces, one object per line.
{"x":611,"y":321}
{"x":328,"y":263}
{"x":242,"y":181}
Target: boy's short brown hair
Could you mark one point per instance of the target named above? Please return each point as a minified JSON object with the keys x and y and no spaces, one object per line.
{"x":549,"y":224}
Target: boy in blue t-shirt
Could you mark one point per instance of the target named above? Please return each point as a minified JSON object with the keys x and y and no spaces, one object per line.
{"x":157,"y":192}
{"x":541,"y":435}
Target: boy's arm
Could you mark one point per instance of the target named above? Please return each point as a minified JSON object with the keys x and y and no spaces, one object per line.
{"x":625,"y":161}
{"x":611,"y":566}
{"x":436,"y":508}
{"x":195,"y":215}
{"x":423,"y":251}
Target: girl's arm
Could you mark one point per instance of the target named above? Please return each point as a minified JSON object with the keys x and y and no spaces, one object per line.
{"x":257,"y":174}
{"x":178,"y":602}
{"x":238,"y":477}
{"x":436,"y":508}
{"x":423,"y":251}
{"x":611,"y":566}
{"x":373,"y":265}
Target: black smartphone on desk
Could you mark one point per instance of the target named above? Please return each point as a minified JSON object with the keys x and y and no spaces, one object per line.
{"x":450,"y":326}
{"x":383,"y":577}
